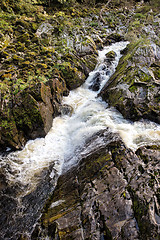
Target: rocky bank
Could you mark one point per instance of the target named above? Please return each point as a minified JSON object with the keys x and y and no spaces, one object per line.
{"x":135,"y":87}
{"x":43,"y":56}
{"x":112,"y":194}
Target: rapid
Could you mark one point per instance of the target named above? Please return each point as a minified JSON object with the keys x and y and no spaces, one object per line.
{"x":61,"y":147}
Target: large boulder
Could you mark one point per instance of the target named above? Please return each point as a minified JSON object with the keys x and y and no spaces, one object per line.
{"x":134,"y":89}
{"x":29,"y":113}
{"x":112,"y":194}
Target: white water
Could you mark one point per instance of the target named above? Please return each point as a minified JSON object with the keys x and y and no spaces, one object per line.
{"x":69,"y":133}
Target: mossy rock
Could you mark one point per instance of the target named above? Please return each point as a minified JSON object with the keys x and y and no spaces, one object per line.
{"x":9,"y":136}
{"x":132,"y":89}
{"x":27,"y":116}
{"x":42,"y":65}
{"x":32,"y":54}
{"x":23,"y":23}
{"x":114,"y":37}
{"x":4,"y":54}
{"x":111,"y":55}
{"x":24,"y":37}
{"x":73,"y":77}
{"x":90,"y":61}
{"x":47,"y":50}
{"x":26,"y":63}
{"x":17,"y":58}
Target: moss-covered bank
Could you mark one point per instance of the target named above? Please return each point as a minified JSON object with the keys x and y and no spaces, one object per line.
{"x":43,"y":56}
{"x":54,"y":48}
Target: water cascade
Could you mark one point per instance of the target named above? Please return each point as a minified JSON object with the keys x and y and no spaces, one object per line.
{"x":59,"y":150}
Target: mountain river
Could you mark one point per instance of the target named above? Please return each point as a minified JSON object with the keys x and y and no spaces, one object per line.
{"x":30,"y":175}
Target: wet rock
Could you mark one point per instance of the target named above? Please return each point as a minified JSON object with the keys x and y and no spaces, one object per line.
{"x":134,"y":88}
{"x":110,"y":56}
{"x":31,"y":113}
{"x":113,"y":38}
{"x":66,"y":109}
{"x":19,"y":209}
{"x":96,"y":82}
{"x":111,"y":194}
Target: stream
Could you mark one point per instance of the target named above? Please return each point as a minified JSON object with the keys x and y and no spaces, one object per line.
{"x":30,"y":175}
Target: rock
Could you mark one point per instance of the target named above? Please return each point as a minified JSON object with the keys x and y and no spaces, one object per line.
{"x":9,"y":136}
{"x":44,"y":28}
{"x":46,"y":108}
{"x":66,"y":109}
{"x":98,"y":41}
{"x":88,"y":47}
{"x":31,"y":112}
{"x":134,"y":88}
{"x":13,"y":223}
{"x":110,"y":56}
{"x":96,"y":82}
{"x":113,"y":38}
{"x":27,"y":116}
{"x":89,"y":64}
{"x":112,"y":194}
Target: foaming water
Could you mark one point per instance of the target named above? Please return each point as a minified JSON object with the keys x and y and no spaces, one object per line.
{"x":69,"y":133}
{"x":30,"y":175}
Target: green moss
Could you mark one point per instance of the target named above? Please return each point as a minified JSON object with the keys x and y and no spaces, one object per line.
{"x":94,"y":24}
{"x":133,"y":88}
{"x":143,"y":9}
{"x":24,"y":37}
{"x":26,"y":63}
{"x":156,"y":72}
{"x":27,"y":115}
{"x":17,"y":58}
{"x":124,"y":195}
{"x":42,"y":65}
{"x":23,"y":23}
{"x":140,"y":209}
{"x":139,"y":16}
{"x":144,"y":157}
{"x":111,"y":55}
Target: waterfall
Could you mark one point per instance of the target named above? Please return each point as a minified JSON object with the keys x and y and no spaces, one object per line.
{"x":90,"y":115}
{"x":59,"y":150}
